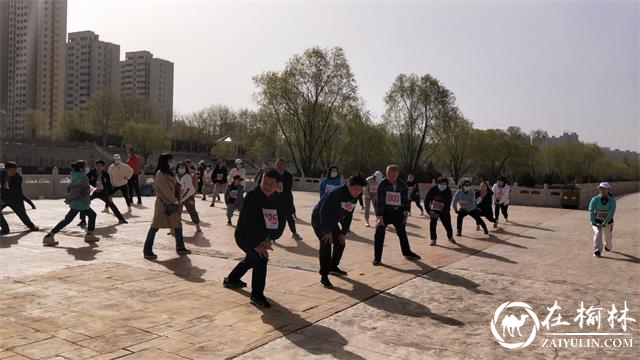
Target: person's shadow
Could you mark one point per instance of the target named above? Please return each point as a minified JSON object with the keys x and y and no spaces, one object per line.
{"x":512,"y":223}
{"x":440,"y":276}
{"x":183,"y":268}
{"x":199,"y":240}
{"x":6,"y":241}
{"x":107,"y":231}
{"x":502,"y":231}
{"x":301,"y":248}
{"x":629,"y":258}
{"x":85,"y":253}
{"x":480,"y":253}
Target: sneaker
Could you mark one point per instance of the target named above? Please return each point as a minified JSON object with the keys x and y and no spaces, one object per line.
{"x":452,"y":240}
{"x":82,"y":224}
{"x":596,"y":253}
{"x":212,"y":205}
{"x":123,"y":221}
{"x":129,"y":208}
{"x":229,"y":223}
{"x":433,"y":243}
{"x":90,"y":239}
{"x":105,"y":210}
{"x":4,"y":232}
{"x":338,"y":272}
{"x":260,"y":302}
{"x":297,"y":237}
{"x":198,"y":229}
{"x":35,"y":228}
{"x":375,"y":262}
{"x":239,"y":284}
{"x":607,"y":249}
{"x":139,"y":202}
{"x":459,"y":233}
{"x":486,"y":231}
{"x":477,"y":227}
{"x":366,"y":224}
{"x":495,"y":225}
{"x":413,"y":256}
{"x":324,"y":280}
{"x":506,"y":219}
{"x":48,"y":240}
{"x":150,"y":256}
{"x":183,"y":251}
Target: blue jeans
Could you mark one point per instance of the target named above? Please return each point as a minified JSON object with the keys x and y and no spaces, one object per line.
{"x":71,"y":215}
{"x":151,"y":236}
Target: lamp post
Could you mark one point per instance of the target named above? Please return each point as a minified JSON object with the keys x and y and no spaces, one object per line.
{"x":3,"y":115}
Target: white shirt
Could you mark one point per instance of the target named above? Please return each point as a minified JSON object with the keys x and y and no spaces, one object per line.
{"x":186,"y":187}
{"x":501,"y":194}
{"x":242,"y":172}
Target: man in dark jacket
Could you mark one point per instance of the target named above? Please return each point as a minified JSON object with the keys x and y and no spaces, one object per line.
{"x":392,"y":207}
{"x":335,"y":208}
{"x":438,"y":205}
{"x":11,"y":196}
{"x":285,"y":188}
{"x":219,"y":178}
{"x":261,"y":221}
{"x":99,"y":179}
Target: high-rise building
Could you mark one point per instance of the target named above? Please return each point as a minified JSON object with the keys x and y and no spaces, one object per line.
{"x":149,"y":78}
{"x":33,"y":35}
{"x":93,"y":67}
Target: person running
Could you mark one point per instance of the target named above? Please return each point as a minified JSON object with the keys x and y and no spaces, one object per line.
{"x":207,"y":182}
{"x":233,"y":197}
{"x":202,"y":166}
{"x":501,"y":192}
{"x":99,"y":179}
{"x":331,"y":182}
{"x":484,"y":197}
{"x":78,"y":196}
{"x":261,"y":221}
{"x":438,"y":205}
{"x":120,"y":173}
{"x":134,"y":162}
{"x":392,"y":208}
{"x":286,"y":189}
{"x":188,"y":194}
{"x":166,"y":213}
{"x":333,"y":209}
{"x":237,"y":170}
{"x":220,"y":181}
{"x":464,"y":204}
{"x":11,"y":196}
{"x":602,"y":209}
{"x":414,"y":193}
{"x":371,"y":194}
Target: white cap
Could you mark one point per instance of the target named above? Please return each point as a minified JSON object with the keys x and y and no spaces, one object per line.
{"x":604,"y":185}
{"x":116,"y":157}
{"x":238,"y":161}
{"x":378,"y":175}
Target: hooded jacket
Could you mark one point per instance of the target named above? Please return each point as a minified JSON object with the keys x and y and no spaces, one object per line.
{"x":336,"y":207}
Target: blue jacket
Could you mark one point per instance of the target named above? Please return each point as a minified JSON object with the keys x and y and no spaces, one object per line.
{"x":328,"y":184}
{"x":602,"y":213}
{"x":336,"y":207}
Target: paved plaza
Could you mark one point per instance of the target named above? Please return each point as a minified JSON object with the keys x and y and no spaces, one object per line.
{"x":104,"y":301}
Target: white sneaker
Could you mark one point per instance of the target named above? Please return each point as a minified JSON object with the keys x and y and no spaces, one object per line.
{"x":477,"y":227}
{"x":366,"y":224}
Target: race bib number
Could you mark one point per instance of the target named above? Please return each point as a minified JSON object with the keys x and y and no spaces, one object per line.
{"x":270,"y":218}
{"x":373,"y":188}
{"x":219,"y":177}
{"x":601,"y":215}
{"x":99,"y":185}
{"x":6,"y":185}
{"x":328,"y":188}
{"x":437,"y":206}
{"x":280,"y":187}
{"x":347,"y":206}
{"x":233,"y":194}
{"x":393,"y":198}
{"x":463,"y":204}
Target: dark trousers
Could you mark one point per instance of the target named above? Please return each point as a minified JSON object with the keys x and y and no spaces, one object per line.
{"x":487,"y":214}
{"x":360,"y":200}
{"x":190,"y":205}
{"x":124,"y":189}
{"x":445,"y":219}
{"x":395,"y":218}
{"x":291,"y":221}
{"x":253,"y":260}
{"x":329,"y":259}
{"x":417,"y":201}
{"x":20,"y":211}
{"x":474,"y":214}
{"x":151,"y":237}
{"x":498,"y":208}
{"x":71,"y":215}
{"x":107,"y":202}
{"x":134,"y":186}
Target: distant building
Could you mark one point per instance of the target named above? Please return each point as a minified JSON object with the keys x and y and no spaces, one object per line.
{"x":562,"y":139}
{"x":150,"y":78}
{"x":32,"y":62}
{"x":93,"y":67}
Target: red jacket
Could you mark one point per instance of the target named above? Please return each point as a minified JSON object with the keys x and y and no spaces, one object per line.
{"x":134,"y":162}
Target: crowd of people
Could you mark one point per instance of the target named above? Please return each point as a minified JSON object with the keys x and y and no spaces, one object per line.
{"x":266,"y":209}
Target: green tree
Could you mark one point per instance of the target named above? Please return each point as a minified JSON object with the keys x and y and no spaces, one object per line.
{"x":146,"y":138}
{"x":454,"y":147}
{"x":37,"y":123}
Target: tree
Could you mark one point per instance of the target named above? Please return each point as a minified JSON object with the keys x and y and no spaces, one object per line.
{"x":416,"y":107}
{"x":104,"y":113}
{"x":308,"y":101}
{"x":454,"y":147}
{"x":37,"y":123}
{"x":146,"y":138}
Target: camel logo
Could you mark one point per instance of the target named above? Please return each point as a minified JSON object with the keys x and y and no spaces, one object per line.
{"x":512,"y":324}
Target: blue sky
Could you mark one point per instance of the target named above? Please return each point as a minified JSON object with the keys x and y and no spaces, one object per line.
{"x":555,"y":65}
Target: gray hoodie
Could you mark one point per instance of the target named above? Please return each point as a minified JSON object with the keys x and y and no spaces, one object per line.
{"x":462,"y":200}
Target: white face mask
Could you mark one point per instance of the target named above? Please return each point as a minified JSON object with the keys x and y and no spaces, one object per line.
{"x":334,"y":174}
{"x":182,"y":171}
{"x":238,"y":166}
{"x":86,"y":170}
{"x":466,"y":188}
{"x":442,"y":187}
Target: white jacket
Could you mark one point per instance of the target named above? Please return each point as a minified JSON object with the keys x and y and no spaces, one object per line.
{"x":120,"y":174}
{"x":242,"y":172}
{"x":501,"y":194}
{"x":187,"y":189}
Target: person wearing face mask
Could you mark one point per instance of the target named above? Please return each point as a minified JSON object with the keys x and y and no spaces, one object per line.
{"x":371,"y":194}
{"x":233,"y":197}
{"x":484,"y":197}
{"x":188,"y":194}
{"x":78,"y":196}
{"x":237,"y":170}
{"x":285,"y":188}
{"x":438,"y":205}
{"x":602,"y":208}
{"x":99,"y":179}
{"x":501,"y":192}
{"x":220,"y":181}
{"x":464,"y":203}
{"x":333,"y":209}
{"x":120,"y":173}
{"x":207,"y":182}
{"x":392,"y":208}
{"x":262,"y":220}
{"x":414,"y":193}
{"x":11,"y":196}
{"x":331,"y":182}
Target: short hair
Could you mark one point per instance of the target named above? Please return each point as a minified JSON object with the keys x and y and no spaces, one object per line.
{"x":357,"y":180}
{"x":78,"y":164}
{"x":442,"y":179}
{"x":393,"y":167}
{"x":466,"y":181}
{"x":10,"y":165}
{"x":272,"y":173}
{"x":502,"y":178}
{"x":281,"y":160}
{"x":100,"y":161}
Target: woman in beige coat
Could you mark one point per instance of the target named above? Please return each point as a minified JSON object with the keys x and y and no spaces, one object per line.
{"x":167,"y":208}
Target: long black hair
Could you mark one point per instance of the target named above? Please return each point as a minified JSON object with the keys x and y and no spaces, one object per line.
{"x":329,"y":171}
{"x":163,"y":164}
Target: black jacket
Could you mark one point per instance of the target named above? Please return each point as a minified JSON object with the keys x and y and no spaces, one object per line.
{"x":11,"y":188}
{"x":216,"y":171}
{"x":385,"y":188}
{"x":415,"y":192}
{"x":434,"y":194}
{"x":258,"y":210}
{"x":104,"y":178}
{"x":485,"y":204}
{"x":285,"y":187}
{"x":335,"y":207}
